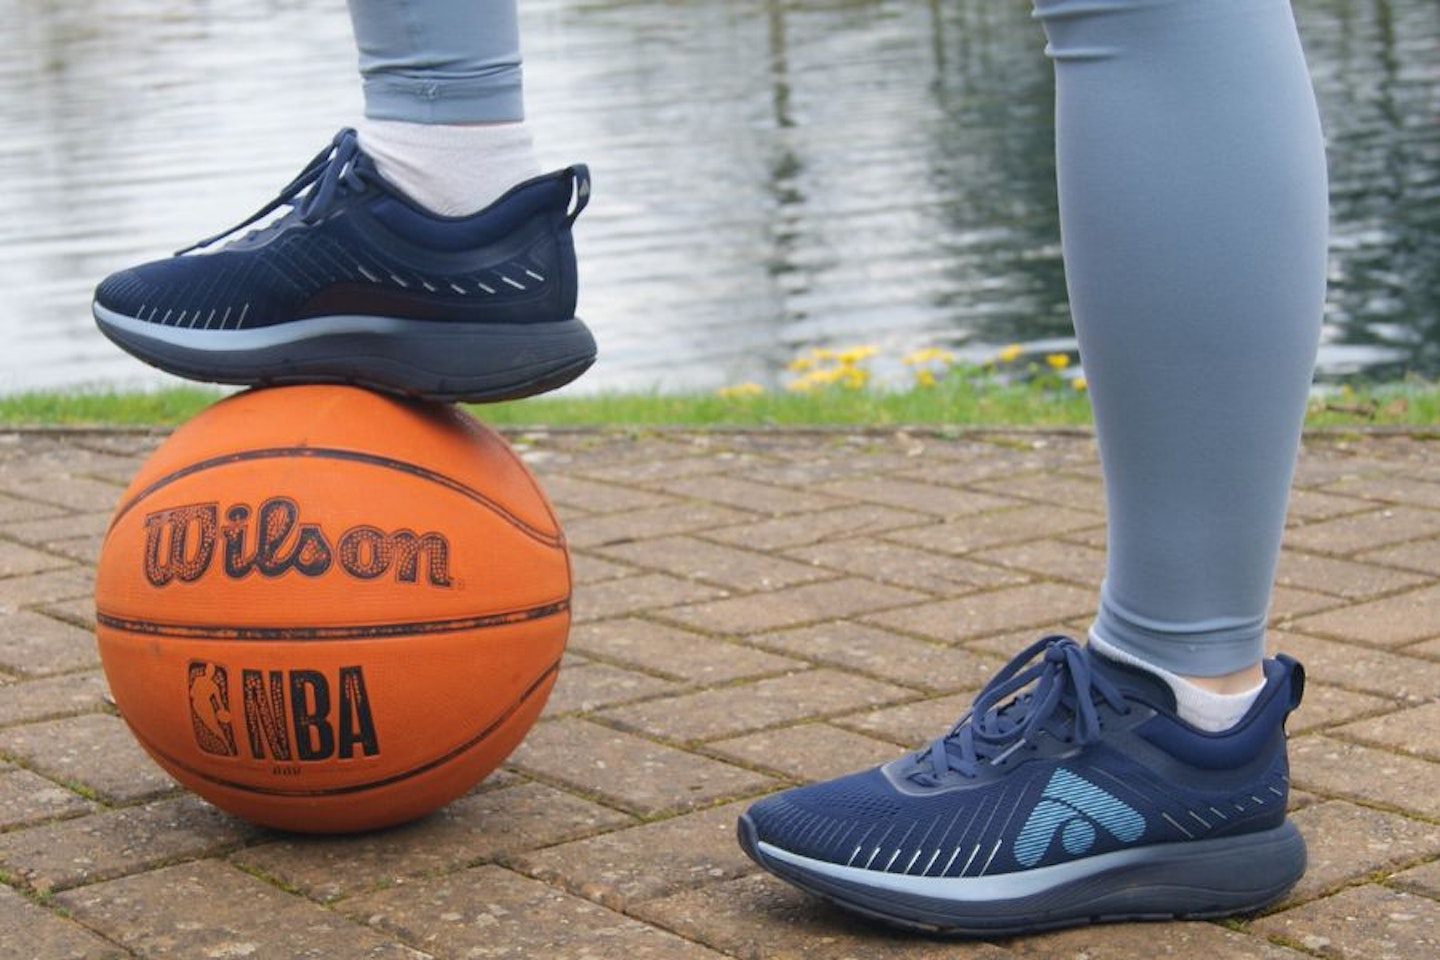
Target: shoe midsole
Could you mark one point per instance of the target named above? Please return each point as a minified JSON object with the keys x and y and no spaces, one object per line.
{"x":1185,"y":857}
{"x":297,"y":331}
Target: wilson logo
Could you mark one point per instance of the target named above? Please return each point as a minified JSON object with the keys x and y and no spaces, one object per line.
{"x":282,"y":715}
{"x":181,"y":544}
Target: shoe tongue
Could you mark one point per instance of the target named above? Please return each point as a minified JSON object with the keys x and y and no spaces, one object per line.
{"x":1134,"y":682}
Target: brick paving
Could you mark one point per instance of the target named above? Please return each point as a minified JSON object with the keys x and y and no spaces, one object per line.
{"x":753,"y":610}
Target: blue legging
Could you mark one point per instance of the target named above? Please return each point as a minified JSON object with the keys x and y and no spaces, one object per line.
{"x":1193,"y":213}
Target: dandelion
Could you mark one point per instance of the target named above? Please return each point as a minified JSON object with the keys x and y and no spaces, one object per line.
{"x":925,"y":377}
{"x":1058,"y":361}
{"x":801,"y":364}
{"x":1080,"y":383}
{"x":1010,"y":354}
{"x":746,"y":389}
{"x":854,"y":355}
{"x":928,"y":355}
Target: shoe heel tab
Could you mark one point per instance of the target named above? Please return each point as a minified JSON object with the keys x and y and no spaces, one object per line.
{"x":1296,"y":671}
{"x":580,"y":185}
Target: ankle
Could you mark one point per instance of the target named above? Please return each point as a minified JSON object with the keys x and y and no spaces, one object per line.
{"x":451,"y":169}
{"x":1213,"y":704}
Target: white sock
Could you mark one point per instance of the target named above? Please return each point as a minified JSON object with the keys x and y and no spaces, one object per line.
{"x":452,"y":170}
{"x":1197,"y":706}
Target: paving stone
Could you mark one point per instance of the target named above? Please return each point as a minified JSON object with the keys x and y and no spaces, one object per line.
{"x":589,"y":569}
{"x":1287,"y":603}
{"x":968,"y":534}
{"x":1420,"y":555}
{"x":792,"y":606}
{"x":933,"y":499}
{"x":810,"y":751}
{"x":209,"y":909}
{"x":30,"y":932}
{"x":26,"y":798}
{"x":905,"y":566}
{"x":20,"y":510}
{"x":846,"y":523}
{"x":37,"y":645}
{"x":17,"y":560}
{"x":95,"y":750}
{"x":1364,"y":531}
{"x":1342,"y":578}
{"x":1368,"y":922}
{"x":1388,"y":622}
{"x":1038,"y":606}
{"x":597,"y":531}
{"x":1329,"y":766}
{"x":477,"y":827}
{"x":716,"y":563}
{"x":910,"y":724}
{"x":625,"y":867}
{"x":52,"y":529}
{"x":53,"y":697}
{"x":1073,"y":490}
{"x":628,"y":771}
{"x":1390,"y":488}
{"x":885,"y":654}
{"x":85,"y":549}
{"x":71,"y":492}
{"x":1309,"y":505}
{"x":645,"y":591}
{"x":592,"y":686}
{"x":492,"y":912}
{"x":1354,"y":667}
{"x":1424,"y":880}
{"x":1143,"y":941}
{"x":85,"y":850}
{"x":763,"y":498}
{"x":1327,"y":706}
{"x":732,"y":710}
{"x":34,"y":589}
{"x":594,"y":497}
{"x":622,"y":466}
{"x":757,"y":917}
{"x":1408,"y":731}
{"x":1078,"y":564}
{"x":675,"y":653}
{"x":1346,"y":842}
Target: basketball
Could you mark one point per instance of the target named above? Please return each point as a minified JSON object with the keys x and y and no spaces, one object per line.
{"x":327,"y":610}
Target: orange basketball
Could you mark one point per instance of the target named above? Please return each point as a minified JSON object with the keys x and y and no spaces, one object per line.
{"x":327,"y":610}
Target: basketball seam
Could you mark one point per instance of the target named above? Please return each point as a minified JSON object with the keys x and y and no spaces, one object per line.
{"x":372,"y":631}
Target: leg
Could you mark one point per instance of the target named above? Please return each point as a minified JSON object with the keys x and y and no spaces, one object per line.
{"x":1078,"y":788}
{"x":444,"y":99}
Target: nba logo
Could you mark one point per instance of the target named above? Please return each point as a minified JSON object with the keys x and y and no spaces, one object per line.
{"x":210,"y":708}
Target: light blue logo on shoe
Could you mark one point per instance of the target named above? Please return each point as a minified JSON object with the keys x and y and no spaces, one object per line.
{"x":1072,"y":807}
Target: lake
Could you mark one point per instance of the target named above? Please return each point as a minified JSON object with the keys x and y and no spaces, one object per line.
{"x":770,"y":175}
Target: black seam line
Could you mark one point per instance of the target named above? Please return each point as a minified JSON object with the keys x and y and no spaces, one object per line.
{"x":439,"y":761}
{"x":370,"y":631}
{"x":355,"y":456}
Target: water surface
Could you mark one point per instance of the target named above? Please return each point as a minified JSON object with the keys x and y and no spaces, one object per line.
{"x":770,"y":174}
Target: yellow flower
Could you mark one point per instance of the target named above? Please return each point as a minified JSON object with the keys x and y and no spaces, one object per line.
{"x":853,"y":355}
{"x":928,"y":355}
{"x":1058,"y":361}
{"x":801,"y":364}
{"x":925,"y":378}
{"x":747,"y":389}
{"x":1010,"y":353}
{"x":1080,"y":383}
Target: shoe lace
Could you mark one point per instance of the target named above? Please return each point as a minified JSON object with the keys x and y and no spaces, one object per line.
{"x":1003,"y":719}
{"x":328,"y":175}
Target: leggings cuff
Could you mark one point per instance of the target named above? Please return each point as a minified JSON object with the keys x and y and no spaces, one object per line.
{"x":415,"y":100}
{"x":1204,"y":648}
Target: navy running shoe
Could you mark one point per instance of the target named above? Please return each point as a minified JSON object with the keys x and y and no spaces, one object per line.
{"x":356,"y":283}
{"x":1083,"y":798}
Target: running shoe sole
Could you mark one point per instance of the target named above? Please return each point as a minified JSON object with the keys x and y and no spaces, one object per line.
{"x":469,"y":362}
{"x":1187,"y":880}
